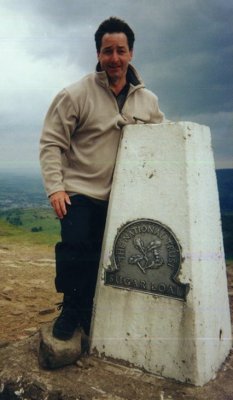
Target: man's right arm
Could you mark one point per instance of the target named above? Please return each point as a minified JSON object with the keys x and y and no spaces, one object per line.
{"x":59,"y":125}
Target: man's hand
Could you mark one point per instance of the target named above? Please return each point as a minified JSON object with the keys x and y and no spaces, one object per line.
{"x":58,"y":201}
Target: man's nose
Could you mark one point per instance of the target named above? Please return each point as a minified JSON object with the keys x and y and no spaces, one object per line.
{"x":115,"y":56}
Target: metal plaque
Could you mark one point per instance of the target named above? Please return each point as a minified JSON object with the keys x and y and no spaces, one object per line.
{"x":146,"y":257}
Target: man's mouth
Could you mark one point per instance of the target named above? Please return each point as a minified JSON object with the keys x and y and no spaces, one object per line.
{"x":114,"y":66}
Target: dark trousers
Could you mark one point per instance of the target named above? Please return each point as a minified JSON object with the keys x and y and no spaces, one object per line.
{"x":78,"y":253}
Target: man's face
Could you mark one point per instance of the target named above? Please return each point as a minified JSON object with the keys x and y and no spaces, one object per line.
{"x":114,"y":56}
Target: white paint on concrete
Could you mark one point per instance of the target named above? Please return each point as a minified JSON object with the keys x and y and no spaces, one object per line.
{"x":166,"y":173}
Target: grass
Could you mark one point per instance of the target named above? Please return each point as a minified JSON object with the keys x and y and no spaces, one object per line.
{"x":41,"y":226}
{"x":17,"y":225}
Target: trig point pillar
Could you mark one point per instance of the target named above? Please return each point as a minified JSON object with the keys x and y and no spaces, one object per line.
{"x":161,"y":302}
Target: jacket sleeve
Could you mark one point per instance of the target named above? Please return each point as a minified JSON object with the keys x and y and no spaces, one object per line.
{"x":158,"y":114}
{"x":147,"y":111}
{"x":59,"y":124}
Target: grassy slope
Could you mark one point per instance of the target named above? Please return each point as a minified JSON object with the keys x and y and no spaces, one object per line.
{"x":44,"y":218}
{"x":30,"y":218}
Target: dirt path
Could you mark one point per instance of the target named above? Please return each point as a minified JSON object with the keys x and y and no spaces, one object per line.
{"x":27,"y":294}
{"x":28,"y":299}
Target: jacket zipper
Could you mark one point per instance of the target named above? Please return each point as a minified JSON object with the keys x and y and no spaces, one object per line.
{"x":116,"y":104}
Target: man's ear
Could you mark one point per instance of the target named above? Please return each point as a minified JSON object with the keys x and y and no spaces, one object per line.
{"x":131,"y":54}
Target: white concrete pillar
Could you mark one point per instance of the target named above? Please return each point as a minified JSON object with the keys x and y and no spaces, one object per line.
{"x":161,"y":302}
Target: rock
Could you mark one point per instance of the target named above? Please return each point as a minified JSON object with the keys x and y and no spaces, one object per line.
{"x":8,"y":290}
{"x":55,"y":353}
{"x":20,"y":373}
{"x":17,"y":312}
{"x":79,"y":364}
{"x":6,"y":297}
{"x":85,"y":363}
{"x":22,"y":337}
{"x":31,"y":330}
{"x":47,"y":311}
{"x":4,"y":248}
{"x":3,"y":343}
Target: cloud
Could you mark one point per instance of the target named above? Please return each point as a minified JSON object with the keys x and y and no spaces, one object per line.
{"x":183,"y":51}
{"x":189,"y":63}
{"x":28,"y":85}
{"x":221,"y":134}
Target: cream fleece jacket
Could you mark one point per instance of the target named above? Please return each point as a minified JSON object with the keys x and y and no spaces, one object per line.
{"x":81,"y":133}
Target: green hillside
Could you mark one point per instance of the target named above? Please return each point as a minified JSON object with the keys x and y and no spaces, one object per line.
{"x":38,"y":225}
{"x":41,"y":226}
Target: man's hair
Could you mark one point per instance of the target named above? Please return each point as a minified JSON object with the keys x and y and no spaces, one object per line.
{"x":114,"y":25}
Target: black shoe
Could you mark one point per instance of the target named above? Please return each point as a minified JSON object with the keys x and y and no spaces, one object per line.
{"x":65,"y":325}
{"x":85,"y":315}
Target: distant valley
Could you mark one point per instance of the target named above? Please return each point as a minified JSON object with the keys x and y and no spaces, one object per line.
{"x":23,"y":204}
{"x":21,"y":190}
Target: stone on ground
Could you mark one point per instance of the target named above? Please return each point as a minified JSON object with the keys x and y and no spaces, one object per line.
{"x":55,"y":353}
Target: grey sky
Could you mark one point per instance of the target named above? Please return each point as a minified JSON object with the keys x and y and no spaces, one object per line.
{"x":183,"y":51}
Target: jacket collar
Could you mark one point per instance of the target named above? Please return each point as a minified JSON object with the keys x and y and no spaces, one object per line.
{"x":132,"y":76}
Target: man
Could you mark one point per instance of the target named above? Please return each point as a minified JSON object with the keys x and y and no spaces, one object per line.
{"x":78,"y":151}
